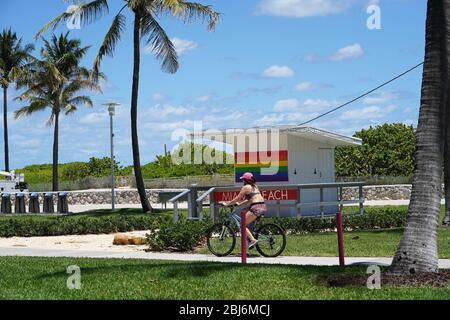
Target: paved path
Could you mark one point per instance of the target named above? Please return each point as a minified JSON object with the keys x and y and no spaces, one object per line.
{"x":314,"y":261}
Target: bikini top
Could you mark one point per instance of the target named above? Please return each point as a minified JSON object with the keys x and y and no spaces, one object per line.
{"x":250,"y":195}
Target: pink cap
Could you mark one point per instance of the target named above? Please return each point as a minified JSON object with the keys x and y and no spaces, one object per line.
{"x":247,"y":176}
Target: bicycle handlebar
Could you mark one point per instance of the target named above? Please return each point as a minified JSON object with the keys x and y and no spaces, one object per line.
{"x":224,"y":206}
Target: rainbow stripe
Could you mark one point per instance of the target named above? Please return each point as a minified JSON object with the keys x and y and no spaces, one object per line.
{"x":255,"y":162}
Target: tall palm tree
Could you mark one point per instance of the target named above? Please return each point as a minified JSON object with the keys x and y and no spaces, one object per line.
{"x":417,"y":251}
{"x":54,"y":82}
{"x":13,"y":56}
{"x":145,"y":14}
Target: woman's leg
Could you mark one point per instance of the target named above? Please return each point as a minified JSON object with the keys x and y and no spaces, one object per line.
{"x":249,"y":218}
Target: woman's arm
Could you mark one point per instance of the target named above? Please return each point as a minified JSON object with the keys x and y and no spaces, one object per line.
{"x":239,"y":197}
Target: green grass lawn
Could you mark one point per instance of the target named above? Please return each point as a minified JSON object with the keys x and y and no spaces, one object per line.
{"x":357,"y":244}
{"x":45,"y":278}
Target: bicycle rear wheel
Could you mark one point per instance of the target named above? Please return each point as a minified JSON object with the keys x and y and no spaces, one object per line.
{"x":271,"y":240}
{"x":221,"y":240}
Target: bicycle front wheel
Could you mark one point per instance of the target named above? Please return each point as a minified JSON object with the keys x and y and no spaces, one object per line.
{"x":271,"y":240}
{"x":221,"y":240}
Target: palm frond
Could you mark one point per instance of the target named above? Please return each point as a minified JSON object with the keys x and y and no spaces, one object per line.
{"x":188,"y":11}
{"x":15,"y":73}
{"x":69,"y":109}
{"x":159,"y":43}
{"x":88,"y":13}
{"x":80,"y":100}
{"x":36,"y":104}
{"x":50,"y":120}
{"x":53,"y":24}
{"x":110,"y":42}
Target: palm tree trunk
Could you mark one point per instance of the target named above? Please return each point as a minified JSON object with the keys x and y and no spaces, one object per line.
{"x":417,"y":251}
{"x":134,"y":132}
{"x":55,"y":152}
{"x":446,"y":221}
{"x":5,"y":126}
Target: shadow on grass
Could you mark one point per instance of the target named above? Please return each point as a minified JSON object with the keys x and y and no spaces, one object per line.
{"x":182,"y":270}
{"x":165,"y":269}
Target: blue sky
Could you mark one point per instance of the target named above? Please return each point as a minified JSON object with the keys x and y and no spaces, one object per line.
{"x":269,"y":62}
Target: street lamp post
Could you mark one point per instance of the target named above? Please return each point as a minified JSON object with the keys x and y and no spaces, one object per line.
{"x":112,"y":109}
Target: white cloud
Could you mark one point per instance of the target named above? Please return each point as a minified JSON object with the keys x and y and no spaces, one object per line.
{"x":353,"y":51}
{"x":94,"y":118}
{"x":350,"y":52}
{"x":303,"y":8}
{"x":380,"y":98}
{"x":316,"y":104}
{"x":313,"y":58}
{"x":368,"y":113}
{"x":167,"y":110}
{"x":158,"y":97}
{"x":225,"y":117}
{"x":183,"y":46}
{"x":270,"y":120}
{"x":277,"y":71}
{"x":307,"y":86}
{"x":202,"y":99}
{"x":288,"y":105}
{"x":309,"y":105}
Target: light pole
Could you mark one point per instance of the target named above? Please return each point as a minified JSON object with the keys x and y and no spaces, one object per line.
{"x":112,"y":109}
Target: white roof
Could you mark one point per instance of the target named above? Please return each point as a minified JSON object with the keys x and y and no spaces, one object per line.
{"x":312,"y":133}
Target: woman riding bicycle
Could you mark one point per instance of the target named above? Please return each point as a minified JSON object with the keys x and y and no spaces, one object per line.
{"x":257,"y":207}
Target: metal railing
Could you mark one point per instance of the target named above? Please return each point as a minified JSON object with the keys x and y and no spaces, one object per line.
{"x":175,"y":201}
{"x":297,"y":203}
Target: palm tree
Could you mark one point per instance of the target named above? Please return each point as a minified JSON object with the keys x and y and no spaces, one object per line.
{"x":145,"y":25}
{"x":417,"y":251}
{"x":12,"y":58}
{"x":54,"y":82}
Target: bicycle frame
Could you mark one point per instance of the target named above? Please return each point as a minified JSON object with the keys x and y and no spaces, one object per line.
{"x":263,"y":233}
{"x":236,"y":218}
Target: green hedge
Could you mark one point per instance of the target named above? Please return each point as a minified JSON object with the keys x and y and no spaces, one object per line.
{"x":182,"y":236}
{"x":373,"y":219}
{"x":185,"y":235}
{"x":28,"y":226}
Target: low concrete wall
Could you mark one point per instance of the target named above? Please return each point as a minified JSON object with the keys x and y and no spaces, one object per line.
{"x":130,"y":196}
{"x":387,"y":192}
{"x":88,"y":197}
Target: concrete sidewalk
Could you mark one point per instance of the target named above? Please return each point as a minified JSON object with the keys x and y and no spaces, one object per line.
{"x":300,"y":261}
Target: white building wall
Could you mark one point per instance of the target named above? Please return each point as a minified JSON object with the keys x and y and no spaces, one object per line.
{"x":312,"y":162}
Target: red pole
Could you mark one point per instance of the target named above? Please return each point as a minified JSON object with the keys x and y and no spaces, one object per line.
{"x":244,"y":236}
{"x":340,"y":233}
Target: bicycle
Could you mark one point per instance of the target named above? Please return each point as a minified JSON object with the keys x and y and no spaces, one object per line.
{"x":221,"y":239}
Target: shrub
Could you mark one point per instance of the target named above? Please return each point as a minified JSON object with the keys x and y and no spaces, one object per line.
{"x":75,"y":171}
{"x":30,"y":226}
{"x":181,"y":236}
{"x":374,"y":218}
